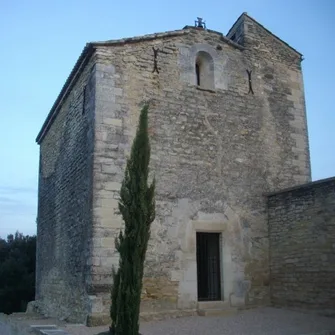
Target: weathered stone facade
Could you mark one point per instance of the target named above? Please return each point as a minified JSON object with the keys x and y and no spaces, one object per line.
{"x":302,"y":247}
{"x":64,"y":227}
{"x":217,"y":147}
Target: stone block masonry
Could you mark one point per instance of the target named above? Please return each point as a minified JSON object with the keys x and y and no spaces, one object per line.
{"x":216,"y":148}
{"x":302,"y":247}
{"x":64,"y":204}
{"x":214,"y":153}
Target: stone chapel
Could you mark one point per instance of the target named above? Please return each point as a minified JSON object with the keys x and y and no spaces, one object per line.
{"x":228,"y":133}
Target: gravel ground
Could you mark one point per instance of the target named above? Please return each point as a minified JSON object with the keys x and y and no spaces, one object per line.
{"x":261,"y":321}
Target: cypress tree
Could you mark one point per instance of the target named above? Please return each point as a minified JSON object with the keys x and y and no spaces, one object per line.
{"x":137,"y":207}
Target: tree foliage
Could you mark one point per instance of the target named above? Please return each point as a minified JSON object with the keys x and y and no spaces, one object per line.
{"x":137,"y":207}
{"x":17,"y":272}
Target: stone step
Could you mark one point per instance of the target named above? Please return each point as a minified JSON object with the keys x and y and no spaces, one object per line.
{"x":213,"y":304}
{"x":217,"y":312}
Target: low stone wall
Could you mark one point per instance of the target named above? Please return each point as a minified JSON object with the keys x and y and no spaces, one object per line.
{"x":302,"y":247}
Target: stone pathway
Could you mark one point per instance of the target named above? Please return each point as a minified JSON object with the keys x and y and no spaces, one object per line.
{"x":261,"y":321}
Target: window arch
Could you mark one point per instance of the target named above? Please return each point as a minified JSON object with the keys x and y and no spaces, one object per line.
{"x":204,"y":70}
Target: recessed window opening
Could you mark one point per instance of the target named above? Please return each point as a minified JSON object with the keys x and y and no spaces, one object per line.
{"x":197,"y":72}
{"x":204,"y":70}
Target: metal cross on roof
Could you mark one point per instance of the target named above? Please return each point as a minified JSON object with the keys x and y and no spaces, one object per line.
{"x":200,"y":23}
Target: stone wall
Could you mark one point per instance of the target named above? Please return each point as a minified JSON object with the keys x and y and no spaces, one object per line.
{"x":64,"y":204}
{"x":302,"y":247}
{"x":276,"y":69}
{"x":216,"y":148}
{"x":214,"y":153}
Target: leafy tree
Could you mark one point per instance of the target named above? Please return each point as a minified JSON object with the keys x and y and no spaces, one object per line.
{"x":17,"y":272}
{"x":137,"y":207}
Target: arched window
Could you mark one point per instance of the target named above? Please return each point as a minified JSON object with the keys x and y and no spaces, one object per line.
{"x":204,"y":70}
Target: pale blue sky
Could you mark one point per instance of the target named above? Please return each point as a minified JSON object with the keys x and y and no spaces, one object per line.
{"x":41,"y":40}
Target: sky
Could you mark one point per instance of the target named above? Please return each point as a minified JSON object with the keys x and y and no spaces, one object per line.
{"x":41,"y":41}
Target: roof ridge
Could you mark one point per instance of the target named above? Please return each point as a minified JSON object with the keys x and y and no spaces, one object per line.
{"x":147,"y":37}
{"x":124,"y":40}
{"x":271,"y":33}
{"x":267,"y":30}
{"x":81,"y":61}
